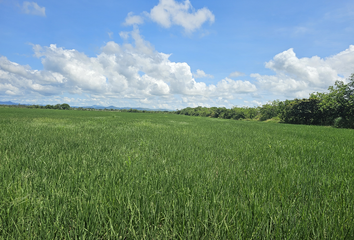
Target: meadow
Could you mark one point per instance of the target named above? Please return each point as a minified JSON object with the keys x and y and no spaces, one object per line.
{"x":115,"y":175}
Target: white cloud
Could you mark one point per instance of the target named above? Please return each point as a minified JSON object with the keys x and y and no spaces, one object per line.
{"x":257,"y":103}
{"x":227,"y":87}
{"x":124,"y":35}
{"x":16,"y":79}
{"x":33,"y":8}
{"x":202,"y":74}
{"x":298,"y":77}
{"x":110,"y":34}
{"x":236,"y":74}
{"x":132,"y":19}
{"x":170,"y":12}
{"x":129,"y":71}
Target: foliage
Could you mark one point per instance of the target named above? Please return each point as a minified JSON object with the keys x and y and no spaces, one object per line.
{"x":269,"y":110}
{"x":339,"y":102}
{"x":63,"y":106}
{"x":335,"y":108}
{"x":235,"y":113}
{"x":301,"y":111}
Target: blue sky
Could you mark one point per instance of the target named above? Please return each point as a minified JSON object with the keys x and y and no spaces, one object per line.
{"x":172,"y":54}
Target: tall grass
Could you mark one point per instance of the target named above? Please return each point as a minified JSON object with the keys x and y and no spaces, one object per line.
{"x":106,"y":175}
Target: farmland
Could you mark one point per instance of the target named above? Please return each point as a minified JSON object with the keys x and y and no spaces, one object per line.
{"x":112,"y":175}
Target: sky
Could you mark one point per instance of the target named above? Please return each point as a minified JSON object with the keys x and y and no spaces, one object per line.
{"x":172,"y":54}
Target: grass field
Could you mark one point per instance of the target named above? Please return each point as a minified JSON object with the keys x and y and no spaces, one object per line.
{"x":111,"y":175}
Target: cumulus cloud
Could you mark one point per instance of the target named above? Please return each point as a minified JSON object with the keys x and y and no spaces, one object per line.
{"x":129,"y":71}
{"x":170,"y":12}
{"x":33,"y":8}
{"x":296,"y":77}
{"x":228,"y":86}
{"x":201,"y":74}
{"x":132,"y":19}
{"x":17,"y":79}
{"x":236,"y":74}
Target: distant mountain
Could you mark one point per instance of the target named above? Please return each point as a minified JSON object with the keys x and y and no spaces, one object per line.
{"x":95,"y":107}
{"x":8,"y":103}
{"x":12,"y":103}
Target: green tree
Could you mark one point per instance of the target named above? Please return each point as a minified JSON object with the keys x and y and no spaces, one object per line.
{"x":65,"y":106}
{"x":269,"y":110}
{"x":301,"y":111}
{"x":238,"y":113}
{"x":338,"y":104}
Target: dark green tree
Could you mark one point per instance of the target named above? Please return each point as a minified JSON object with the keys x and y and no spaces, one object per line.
{"x":65,"y":106}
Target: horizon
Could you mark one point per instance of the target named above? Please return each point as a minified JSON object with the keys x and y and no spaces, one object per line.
{"x":10,"y":103}
{"x":169,"y":54}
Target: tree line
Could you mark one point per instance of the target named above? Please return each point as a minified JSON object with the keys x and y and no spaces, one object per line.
{"x":63,"y":106}
{"x":335,"y":108}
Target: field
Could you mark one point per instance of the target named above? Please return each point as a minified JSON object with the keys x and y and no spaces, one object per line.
{"x":111,"y":175}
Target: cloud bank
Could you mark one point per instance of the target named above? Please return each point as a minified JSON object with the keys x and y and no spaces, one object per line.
{"x":136,"y":71}
{"x":297,"y":77}
{"x":129,"y":71}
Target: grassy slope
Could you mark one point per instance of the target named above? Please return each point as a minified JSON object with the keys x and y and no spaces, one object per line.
{"x":103,"y":175}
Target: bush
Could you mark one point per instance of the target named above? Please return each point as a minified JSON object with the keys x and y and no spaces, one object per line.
{"x":338,"y":122}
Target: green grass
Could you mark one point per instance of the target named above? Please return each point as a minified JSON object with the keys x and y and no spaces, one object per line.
{"x":109,"y":175}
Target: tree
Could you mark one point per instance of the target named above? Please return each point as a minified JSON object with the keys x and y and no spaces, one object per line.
{"x":238,"y":113}
{"x":301,"y":111}
{"x":65,"y":106}
{"x":269,"y":110}
{"x":337,"y":105}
